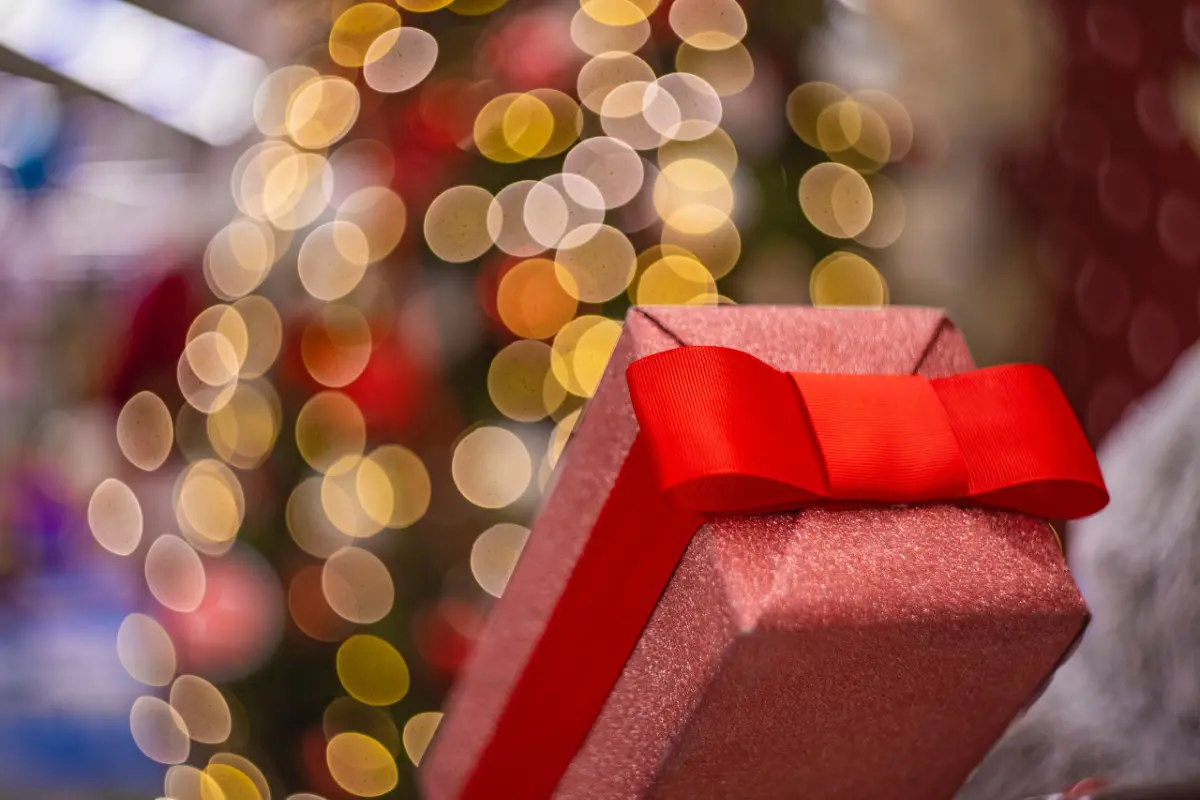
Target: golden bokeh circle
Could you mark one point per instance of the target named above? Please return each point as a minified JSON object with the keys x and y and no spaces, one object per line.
{"x":347,"y":715}
{"x":203,"y":709}
{"x":836,"y":200}
{"x":307,"y":522}
{"x":888,"y":215}
{"x":380,"y":214}
{"x":455,"y":225}
{"x":115,"y":517}
{"x":594,"y":37}
{"x":607,"y":71}
{"x":333,"y":259}
{"x":360,"y":765}
{"x":805,"y":105}
{"x":693,"y":196}
{"x":600,"y":268}
{"x":516,"y":381}
{"x":356,"y":496}
{"x":727,"y":71}
{"x":716,"y":149}
{"x":322,"y":111}
{"x":399,"y":59}
{"x":357,"y":585}
{"x":718,"y":249}
{"x":158,"y":730}
{"x":418,"y":733}
{"x":227,"y":782}
{"x":209,"y":504}
{"x":275,"y":93}
{"x":357,"y":28}
{"x":619,"y":13}
{"x":175,"y":574}
{"x":491,"y":467}
{"x":567,"y":116}
{"x":336,"y":345}
{"x":494,"y":555}
{"x":329,"y":428}
{"x":847,"y":279}
{"x":145,"y":650}
{"x":676,"y":280}
{"x":410,"y":485}
{"x":264,"y":334}
{"x":372,"y":671}
{"x":145,"y":431}
{"x":243,"y":432}
{"x":581,"y":351}
{"x":535,"y":299}
{"x":239,"y":257}
{"x":708,"y":24}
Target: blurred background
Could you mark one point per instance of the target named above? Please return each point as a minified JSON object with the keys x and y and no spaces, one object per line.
{"x":300,"y":299}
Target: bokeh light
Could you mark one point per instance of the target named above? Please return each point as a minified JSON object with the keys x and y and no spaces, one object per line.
{"x":410,"y":485}
{"x":594,"y":37}
{"x":310,"y":528}
{"x":516,"y":381}
{"x":836,"y":200}
{"x":174,"y":574}
{"x":611,"y":165}
{"x":243,"y":431}
{"x":708,"y":24}
{"x":115,"y":517}
{"x":275,"y":93}
{"x":209,"y":505}
{"x":233,"y":771}
{"x":607,"y":71}
{"x":456,"y":228}
{"x":372,"y":671}
{"x":727,"y":71}
{"x":563,"y":210}
{"x":333,"y":259}
{"x":357,"y":496}
{"x":239,"y":257}
{"x":847,"y":279}
{"x":360,"y":765}
{"x":536,"y":298}
{"x":693,"y":196}
{"x":202,"y":708}
{"x":676,"y":280}
{"x":399,"y":59}
{"x":600,"y":268}
{"x":418,"y":733}
{"x":357,"y":585}
{"x":357,"y":28}
{"x":310,"y":610}
{"x":336,"y":345}
{"x":379,"y":214}
{"x":718,"y":249}
{"x":145,"y":650}
{"x":619,"y":12}
{"x":322,"y":111}
{"x":491,"y":467}
{"x":329,"y":428}
{"x":581,"y":351}
{"x":347,"y":715}
{"x":185,"y":782}
{"x":159,"y":731}
{"x":264,"y":334}
{"x":145,"y":431}
{"x":494,"y":555}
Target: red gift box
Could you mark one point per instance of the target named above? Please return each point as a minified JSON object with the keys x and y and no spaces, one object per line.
{"x":788,"y":552}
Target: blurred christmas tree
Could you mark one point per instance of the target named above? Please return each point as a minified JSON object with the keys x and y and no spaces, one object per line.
{"x":453,"y":207}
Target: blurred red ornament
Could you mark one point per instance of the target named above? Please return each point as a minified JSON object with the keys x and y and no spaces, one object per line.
{"x":239,"y":623}
{"x":532,"y":51}
{"x":445,"y":634}
{"x":156,"y":335}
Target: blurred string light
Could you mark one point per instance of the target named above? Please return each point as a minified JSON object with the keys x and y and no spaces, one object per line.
{"x":172,"y":73}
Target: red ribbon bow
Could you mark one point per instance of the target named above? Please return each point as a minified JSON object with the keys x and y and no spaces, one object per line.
{"x":723,"y":433}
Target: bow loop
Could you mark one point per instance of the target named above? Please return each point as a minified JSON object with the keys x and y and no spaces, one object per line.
{"x":731,"y":434}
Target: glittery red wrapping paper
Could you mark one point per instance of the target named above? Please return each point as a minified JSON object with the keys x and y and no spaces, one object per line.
{"x":820,"y":654}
